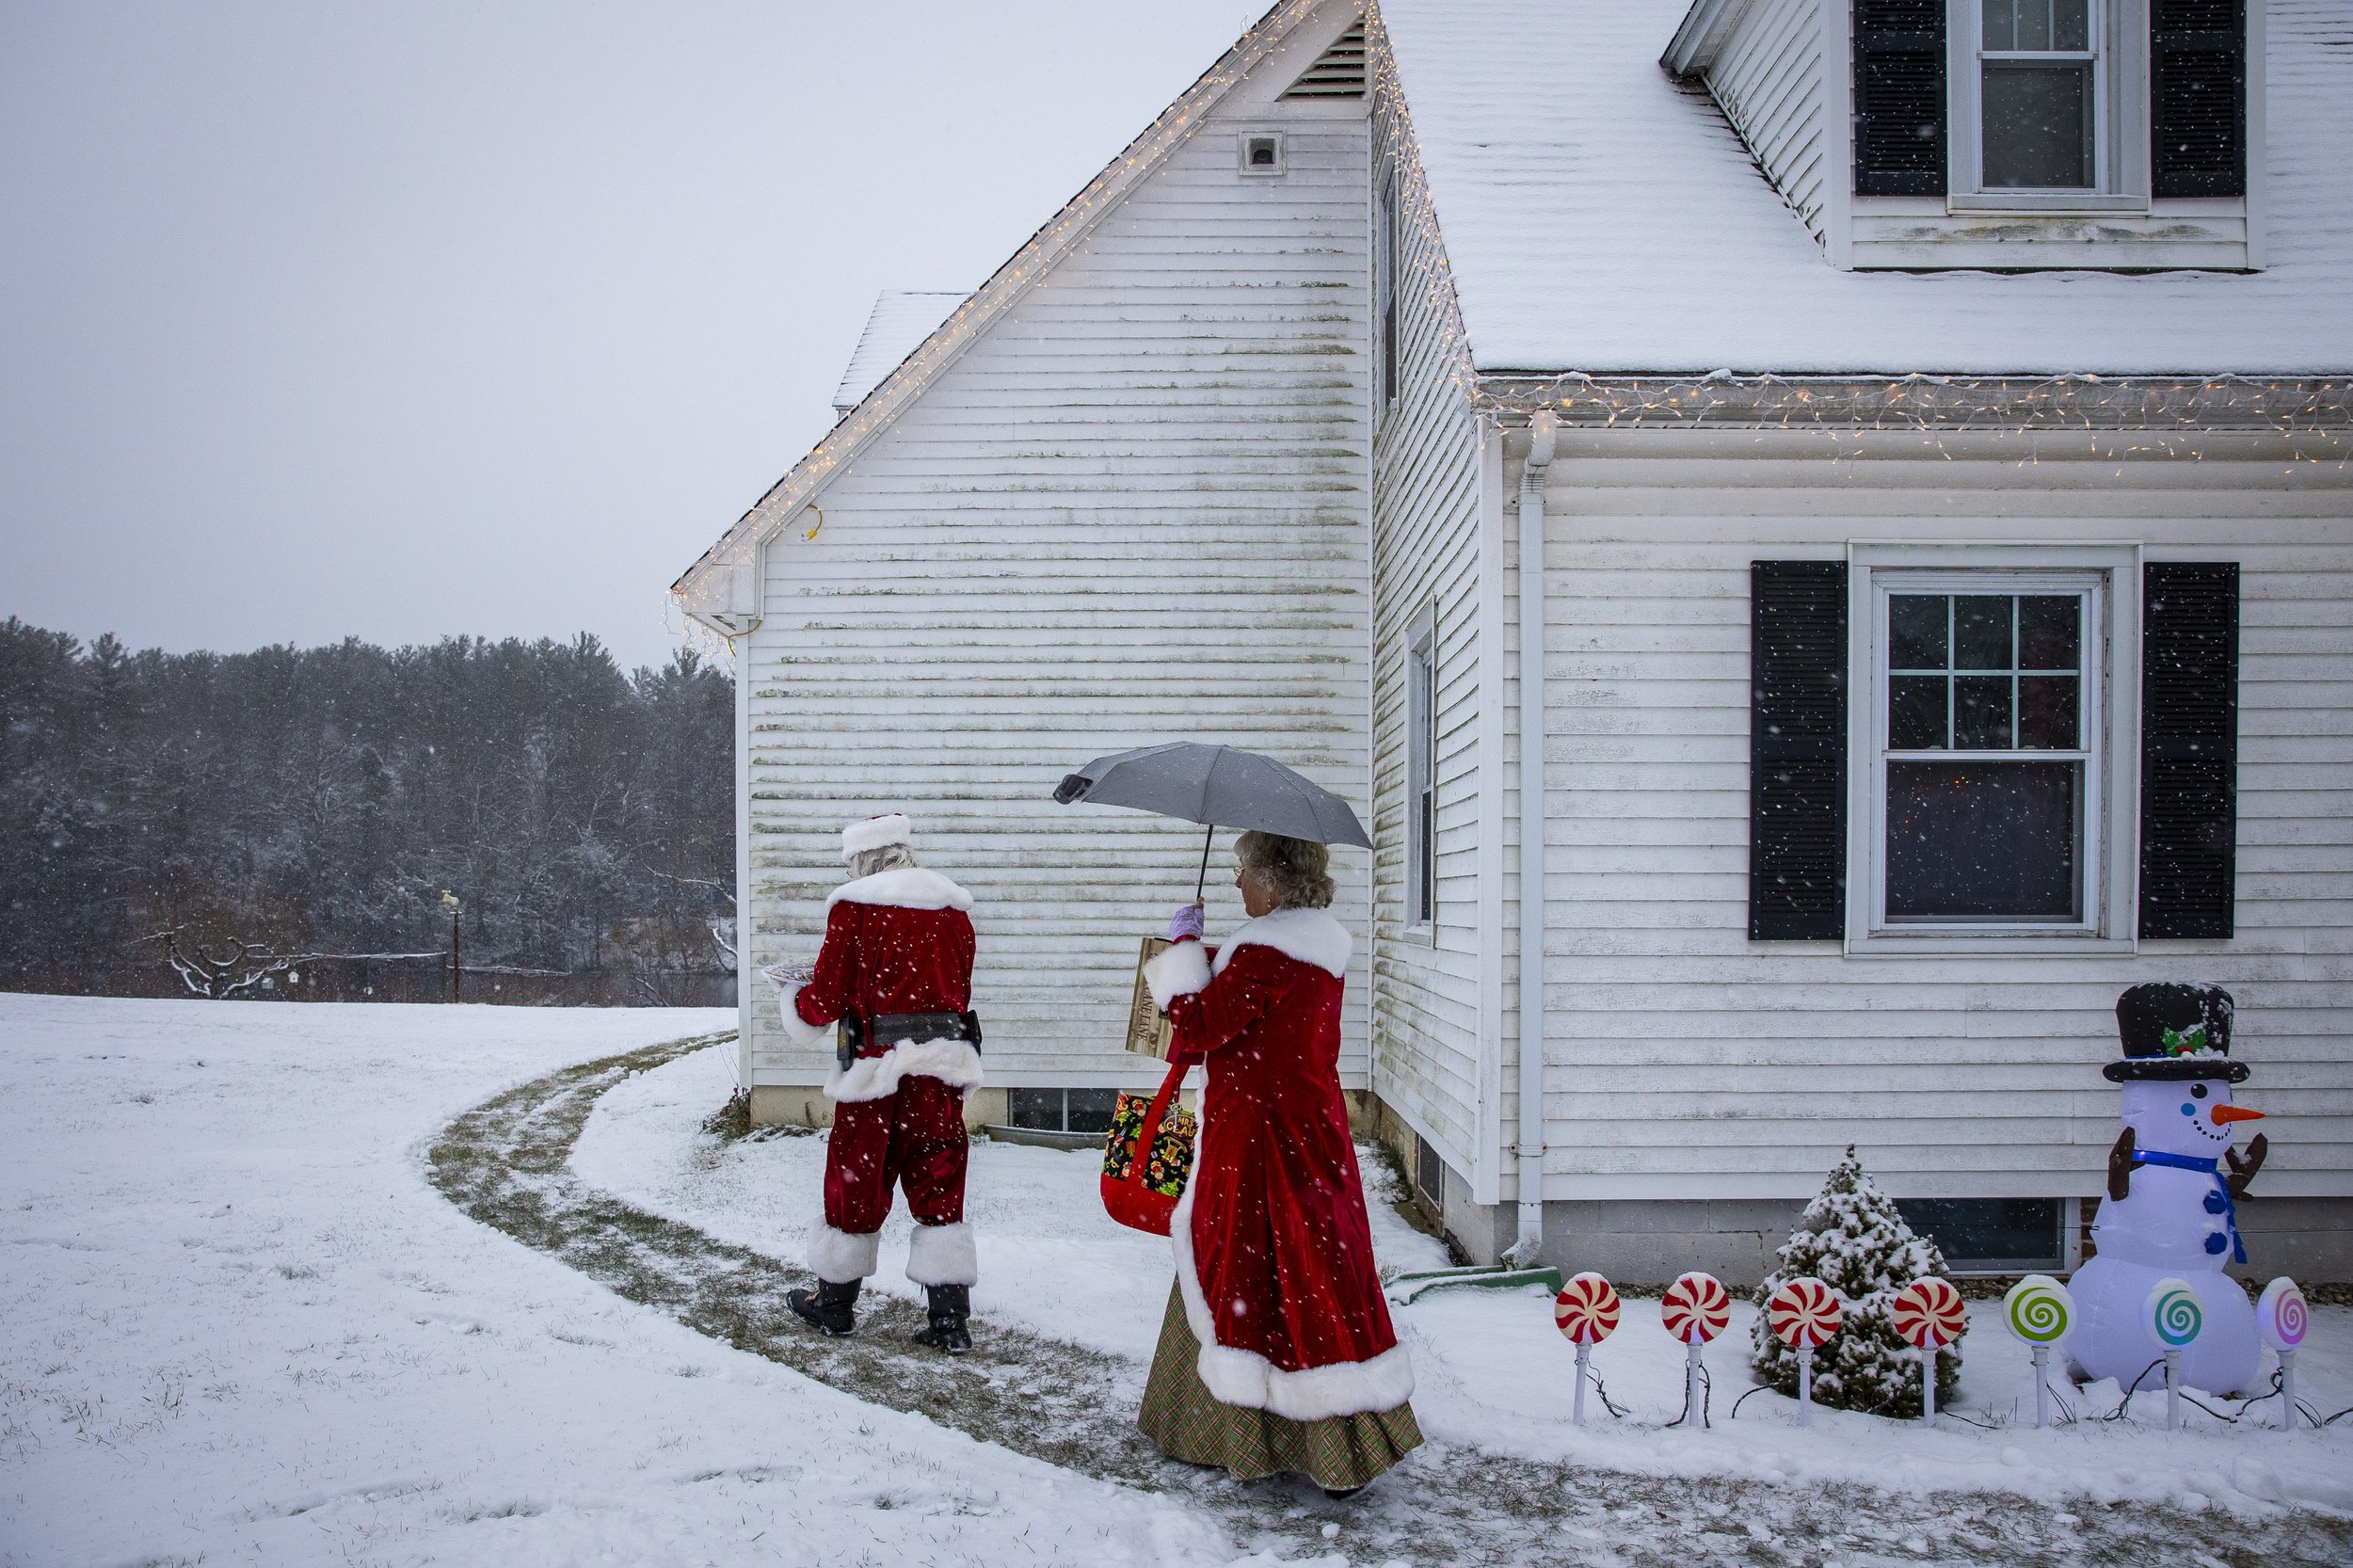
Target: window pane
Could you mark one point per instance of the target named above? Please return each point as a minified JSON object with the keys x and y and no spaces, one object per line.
{"x":1916,"y":712}
{"x":1987,"y":840}
{"x":1035,"y":1107}
{"x":2038,"y":125}
{"x":1982,"y":713}
{"x":2070,"y":24}
{"x":1915,"y":632}
{"x":2009,"y":1234}
{"x":1091,"y":1109}
{"x":2046,"y":712}
{"x":2049,"y":631}
{"x":1981,"y":632}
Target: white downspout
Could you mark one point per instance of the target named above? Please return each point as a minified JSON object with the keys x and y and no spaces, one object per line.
{"x":1532,"y":837}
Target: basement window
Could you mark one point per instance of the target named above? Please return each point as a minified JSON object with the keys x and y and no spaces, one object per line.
{"x":1061,"y":1110}
{"x":1429,"y":1173}
{"x":1991,"y":1235}
{"x":1262,"y":152}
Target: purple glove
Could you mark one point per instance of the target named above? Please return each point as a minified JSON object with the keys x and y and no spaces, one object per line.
{"x":1185,"y":923}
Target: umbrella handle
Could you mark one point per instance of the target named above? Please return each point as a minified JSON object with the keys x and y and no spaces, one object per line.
{"x":1203,"y":880}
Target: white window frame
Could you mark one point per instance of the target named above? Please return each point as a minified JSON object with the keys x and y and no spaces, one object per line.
{"x":2109,"y":705}
{"x":1421,"y":777}
{"x":2120,"y":115}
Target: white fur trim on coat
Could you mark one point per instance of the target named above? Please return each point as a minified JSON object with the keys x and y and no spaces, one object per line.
{"x":800,"y":1032}
{"x":1177,"y":971}
{"x":1310,"y":936}
{"x":839,"y":1258}
{"x":874,"y":833}
{"x":943,"y":1254}
{"x":908,"y":887}
{"x":1249,"y":1380}
{"x":954,"y":1063}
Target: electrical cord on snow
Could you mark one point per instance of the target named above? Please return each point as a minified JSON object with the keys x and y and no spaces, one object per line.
{"x":1607,"y":1403}
{"x":1707,"y":1387}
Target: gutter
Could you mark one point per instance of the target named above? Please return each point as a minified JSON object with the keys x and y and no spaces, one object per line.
{"x":1534,"y":835}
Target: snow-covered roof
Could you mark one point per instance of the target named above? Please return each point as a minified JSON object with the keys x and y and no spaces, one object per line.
{"x":1599,"y":218}
{"x":899,"y":322}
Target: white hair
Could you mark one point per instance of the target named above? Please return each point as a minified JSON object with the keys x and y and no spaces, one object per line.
{"x":887,"y":858}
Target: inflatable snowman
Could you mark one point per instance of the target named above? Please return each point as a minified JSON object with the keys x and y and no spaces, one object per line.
{"x":2174,"y":1186}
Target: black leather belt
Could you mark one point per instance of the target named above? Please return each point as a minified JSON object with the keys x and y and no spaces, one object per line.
{"x":860,"y":1034}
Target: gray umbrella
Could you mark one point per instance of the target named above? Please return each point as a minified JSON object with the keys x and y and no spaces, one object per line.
{"x":1218,"y":787}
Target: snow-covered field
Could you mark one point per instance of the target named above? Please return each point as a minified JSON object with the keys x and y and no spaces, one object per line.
{"x":241,"y":1326}
{"x":1491,"y":1371}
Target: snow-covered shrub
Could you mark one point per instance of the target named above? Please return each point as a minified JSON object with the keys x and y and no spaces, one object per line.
{"x":1852,"y":1239}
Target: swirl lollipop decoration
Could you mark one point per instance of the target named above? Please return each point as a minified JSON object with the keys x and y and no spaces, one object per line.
{"x":1586,"y":1311}
{"x":2174,"y":1318}
{"x":1695,"y":1308}
{"x":1928,"y":1315}
{"x":2038,"y":1312}
{"x":2279,"y":1317}
{"x":1804,"y":1312}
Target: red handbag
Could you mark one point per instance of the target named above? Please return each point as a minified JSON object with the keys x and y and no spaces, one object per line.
{"x":1147,"y":1156}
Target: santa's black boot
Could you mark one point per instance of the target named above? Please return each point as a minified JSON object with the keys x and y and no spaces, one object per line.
{"x":826,"y":1310}
{"x":950,"y":1305}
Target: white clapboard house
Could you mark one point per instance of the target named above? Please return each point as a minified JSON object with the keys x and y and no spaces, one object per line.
{"x":1818,"y":533}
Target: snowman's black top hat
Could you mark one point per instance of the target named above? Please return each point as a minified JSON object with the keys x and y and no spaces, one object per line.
{"x":2176,"y":1033}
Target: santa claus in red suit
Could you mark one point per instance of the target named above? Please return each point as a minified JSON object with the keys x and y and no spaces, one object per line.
{"x":895,"y":974}
{"x":1281,"y":1302}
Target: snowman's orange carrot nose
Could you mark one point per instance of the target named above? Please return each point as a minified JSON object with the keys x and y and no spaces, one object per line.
{"x":2225,"y":1114}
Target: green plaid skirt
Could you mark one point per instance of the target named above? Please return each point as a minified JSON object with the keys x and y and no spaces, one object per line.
{"x":1188,"y":1422}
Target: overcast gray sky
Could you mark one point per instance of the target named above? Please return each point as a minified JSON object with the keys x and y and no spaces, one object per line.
{"x":401,"y":319}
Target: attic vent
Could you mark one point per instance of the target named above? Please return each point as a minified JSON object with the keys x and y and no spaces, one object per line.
{"x":1339,"y":73}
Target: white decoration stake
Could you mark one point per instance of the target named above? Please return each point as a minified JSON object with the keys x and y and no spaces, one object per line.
{"x":1576,"y":1411}
{"x":1928,"y":1385}
{"x":2287,"y":1389}
{"x":2038,"y":1312}
{"x":2042,"y":1386}
{"x":2281,"y":1318}
{"x":1691,"y":1376}
{"x":1805,"y":1386}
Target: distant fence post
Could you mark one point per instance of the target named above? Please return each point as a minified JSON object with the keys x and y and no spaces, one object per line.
{"x":450,"y":900}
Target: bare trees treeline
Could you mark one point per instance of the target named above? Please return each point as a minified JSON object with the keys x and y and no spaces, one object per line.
{"x":321,"y":800}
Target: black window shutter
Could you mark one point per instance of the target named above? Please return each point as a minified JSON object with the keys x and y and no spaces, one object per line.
{"x":2189,"y":748}
{"x":1899,"y":97}
{"x":1796,"y":749}
{"x":2197,"y":97}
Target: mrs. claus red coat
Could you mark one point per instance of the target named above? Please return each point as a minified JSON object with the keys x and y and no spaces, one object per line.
{"x":1274,"y":1251}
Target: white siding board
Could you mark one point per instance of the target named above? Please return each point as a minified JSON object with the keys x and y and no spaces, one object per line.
{"x":1768,"y":78}
{"x":1688,"y":1061}
{"x":1133,"y":510}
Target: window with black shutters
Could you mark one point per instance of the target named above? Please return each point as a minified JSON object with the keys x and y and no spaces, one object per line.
{"x":1798,"y":750}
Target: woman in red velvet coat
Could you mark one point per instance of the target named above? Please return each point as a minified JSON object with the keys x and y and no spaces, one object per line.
{"x":1277,"y":1354}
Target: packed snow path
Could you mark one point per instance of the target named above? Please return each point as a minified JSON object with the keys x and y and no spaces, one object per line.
{"x":506,"y":1163}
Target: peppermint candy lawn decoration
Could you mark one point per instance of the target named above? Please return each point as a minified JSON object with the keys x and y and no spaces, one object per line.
{"x":2279,"y":1317}
{"x":1928,"y":1315}
{"x":1695,"y":1308}
{"x":2038,"y":1312}
{"x":1586,"y":1310}
{"x":2173,"y":1316}
{"x":1804,"y":1312}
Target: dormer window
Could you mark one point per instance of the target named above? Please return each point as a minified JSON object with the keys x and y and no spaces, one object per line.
{"x":2039,"y":95}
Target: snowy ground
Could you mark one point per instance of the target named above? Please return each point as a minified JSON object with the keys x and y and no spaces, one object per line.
{"x":242,"y":1327}
{"x":245,"y":1326}
{"x":1491,"y":1371}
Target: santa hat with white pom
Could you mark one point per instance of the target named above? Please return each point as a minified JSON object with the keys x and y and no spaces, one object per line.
{"x":874,"y":833}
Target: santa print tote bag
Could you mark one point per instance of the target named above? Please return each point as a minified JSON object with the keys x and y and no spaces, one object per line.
{"x":1147,"y":1156}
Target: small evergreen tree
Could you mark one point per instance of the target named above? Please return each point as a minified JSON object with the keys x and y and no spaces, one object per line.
{"x":1853,"y":1240}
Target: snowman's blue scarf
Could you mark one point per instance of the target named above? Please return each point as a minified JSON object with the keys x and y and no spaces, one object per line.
{"x":2191,"y":1162}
